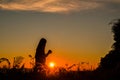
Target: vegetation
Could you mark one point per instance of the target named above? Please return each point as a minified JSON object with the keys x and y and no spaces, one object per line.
{"x":108,"y":69}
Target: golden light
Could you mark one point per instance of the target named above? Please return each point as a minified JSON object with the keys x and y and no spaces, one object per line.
{"x":51,"y":64}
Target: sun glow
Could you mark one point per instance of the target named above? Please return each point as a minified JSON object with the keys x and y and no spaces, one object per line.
{"x":51,"y":64}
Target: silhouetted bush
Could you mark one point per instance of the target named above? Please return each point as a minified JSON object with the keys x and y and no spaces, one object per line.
{"x":109,"y":68}
{"x":112,"y":59}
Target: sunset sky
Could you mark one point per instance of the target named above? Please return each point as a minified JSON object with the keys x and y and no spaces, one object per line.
{"x":76,"y":30}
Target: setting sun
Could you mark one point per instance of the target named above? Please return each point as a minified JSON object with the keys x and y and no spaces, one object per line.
{"x":51,"y":64}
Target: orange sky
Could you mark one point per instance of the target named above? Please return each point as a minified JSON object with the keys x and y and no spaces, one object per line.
{"x":76,"y":31}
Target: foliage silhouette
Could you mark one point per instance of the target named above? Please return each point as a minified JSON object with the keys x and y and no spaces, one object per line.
{"x":112,"y":59}
{"x":5,"y":59}
{"x":32,"y":62}
{"x":17,"y":61}
{"x":109,"y":67}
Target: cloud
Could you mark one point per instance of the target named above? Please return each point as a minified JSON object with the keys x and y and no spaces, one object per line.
{"x":112,"y":5}
{"x":54,"y":6}
{"x":59,"y":6}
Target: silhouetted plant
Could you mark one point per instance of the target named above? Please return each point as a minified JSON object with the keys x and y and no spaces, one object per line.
{"x":70,"y":67}
{"x":112,"y":59}
{"x":17,"y":61}
{"x":116,"y":31}
{"x":32,"y":62}
{"x":5,"y":59}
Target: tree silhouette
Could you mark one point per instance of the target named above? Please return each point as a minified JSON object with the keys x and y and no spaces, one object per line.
{"x":112,"y":59}
{"x":116,"y":31}
{"x":40,"y":56}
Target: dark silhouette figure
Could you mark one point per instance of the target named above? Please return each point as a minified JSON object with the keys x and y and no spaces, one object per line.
{"x":112,"y":59}
{"x":40,"y":56}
